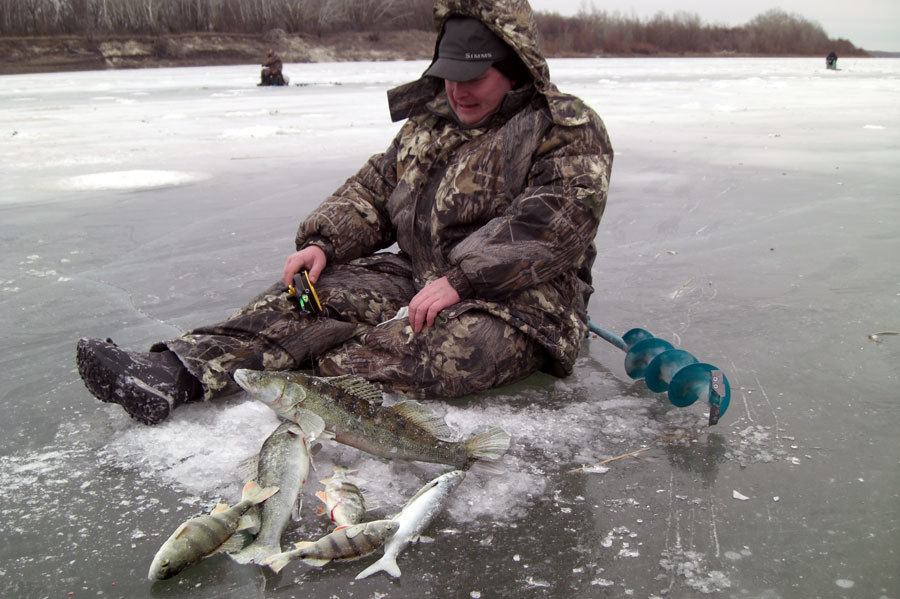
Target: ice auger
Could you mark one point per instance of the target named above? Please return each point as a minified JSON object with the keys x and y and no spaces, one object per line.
{"x":675,"y":371}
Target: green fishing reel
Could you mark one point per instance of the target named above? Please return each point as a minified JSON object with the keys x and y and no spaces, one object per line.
{"x":303,"y":291}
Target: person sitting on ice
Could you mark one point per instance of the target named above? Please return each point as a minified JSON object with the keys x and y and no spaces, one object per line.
{"x":492,"y":189}
{"x":271,"y":73}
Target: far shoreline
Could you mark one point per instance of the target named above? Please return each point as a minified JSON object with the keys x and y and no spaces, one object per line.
{"x":49,"y":54}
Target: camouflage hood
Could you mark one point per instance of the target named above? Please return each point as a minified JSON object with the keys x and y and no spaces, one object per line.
{"x":513,"y":22}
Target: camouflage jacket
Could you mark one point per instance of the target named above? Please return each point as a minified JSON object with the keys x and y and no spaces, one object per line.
{"x":507,"y":210}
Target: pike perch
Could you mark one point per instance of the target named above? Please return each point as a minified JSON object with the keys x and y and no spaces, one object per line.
{"x":413,"y":519}
{"x":343,"y":500}
{"x":343,"y":544}
{"x":283,"y":461}
{"x":352,"y":411}
{"x":204,"y":535}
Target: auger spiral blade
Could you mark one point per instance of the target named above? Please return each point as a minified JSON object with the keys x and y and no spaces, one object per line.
{"x":675,"y":371}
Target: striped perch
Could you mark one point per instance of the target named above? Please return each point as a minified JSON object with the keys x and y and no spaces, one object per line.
{"x":344,"y":544}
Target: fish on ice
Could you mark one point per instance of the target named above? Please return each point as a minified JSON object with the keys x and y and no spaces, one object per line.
{"x":283,"y":461}
{"x":352,"y":411}
{"x":413,"y":519}
{"x":343,"y":544}
{"x":205,"y":535}
{"x":343,"y":501}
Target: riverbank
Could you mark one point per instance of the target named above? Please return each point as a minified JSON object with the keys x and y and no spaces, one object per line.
{"x":77,"y":53}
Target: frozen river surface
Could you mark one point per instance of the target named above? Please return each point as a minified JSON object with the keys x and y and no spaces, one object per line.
{"x":753,"y":220}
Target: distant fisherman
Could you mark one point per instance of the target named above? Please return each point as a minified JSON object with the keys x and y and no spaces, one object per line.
{"x":344,"y":544}
{"x":352,"y":411}
{"x":492,"y":191}
{"x":205,"y":535}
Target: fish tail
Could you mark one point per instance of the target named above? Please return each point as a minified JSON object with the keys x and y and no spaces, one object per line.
{"x":253,"y":493}
{"x":278,"y":561}
{"x":489,"y":445}
{"x":385,"y":564}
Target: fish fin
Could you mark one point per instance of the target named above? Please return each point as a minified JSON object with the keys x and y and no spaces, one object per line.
{"x":248,"y":469}
{"x":313,"y":451}
{"x":309,"y":422}
{"x":278,"y":561}
{"x":358,"y":387}
{"x":235,"y":542}
{"x":315,"y":562}
{"x":254,"y":494}
{"x":296,"y":508}
{"x":180,"y":530}
{"x":250,"y":522}
{"x":220,"y":507}
{"x":489,"y":468}
{"x":255,"y":553}
{"x":385,"y":564}
{"x":423,"y":416}
{"x":491,"y":444}
{"x":353,"y":531}
{"x":302,"y":544}
{"x":321,"y":495}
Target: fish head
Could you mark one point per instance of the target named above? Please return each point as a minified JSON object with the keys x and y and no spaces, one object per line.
{"x":269,"y":388}
{"x":167,"y":562}
{"x":383,"y":529}
{"x":452,"y":478}
{"x":389,"y":528}
{"x":253,"y":382}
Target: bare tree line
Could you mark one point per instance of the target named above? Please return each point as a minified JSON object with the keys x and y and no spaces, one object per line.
{"x":774,"y":32}
{"x":99,"y":17}
{"x":590,"y":33}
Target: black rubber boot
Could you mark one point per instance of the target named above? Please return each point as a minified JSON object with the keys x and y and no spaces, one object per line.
{"x":147,"y":385}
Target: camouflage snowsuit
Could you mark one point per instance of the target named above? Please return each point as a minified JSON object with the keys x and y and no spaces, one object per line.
{"x":507,"y":211}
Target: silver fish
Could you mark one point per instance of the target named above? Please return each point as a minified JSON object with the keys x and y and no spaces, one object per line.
{"x":350,"y":407}
{"x":204,"y":535}
{"x":344,"y":502}
{"x":343,"y":544}
{"x":283,"y":461}
{"x":413,"y":519}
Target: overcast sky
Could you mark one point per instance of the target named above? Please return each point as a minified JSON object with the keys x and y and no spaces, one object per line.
{"x":869,"y":24}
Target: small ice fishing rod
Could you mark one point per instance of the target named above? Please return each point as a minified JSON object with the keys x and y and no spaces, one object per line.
{"x":676,"y":371}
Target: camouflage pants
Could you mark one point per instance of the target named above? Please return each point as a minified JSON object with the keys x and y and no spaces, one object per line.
{"x":466,"y":350}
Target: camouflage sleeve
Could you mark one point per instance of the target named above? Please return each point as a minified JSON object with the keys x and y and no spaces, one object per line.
{"x":354,"y":221}
{"x":550,"y":224}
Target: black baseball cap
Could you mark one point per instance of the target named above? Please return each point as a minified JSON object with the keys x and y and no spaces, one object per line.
{"x":466,"y":50}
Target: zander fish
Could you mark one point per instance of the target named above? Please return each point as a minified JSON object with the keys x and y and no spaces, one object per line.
{"x":343,"y":544}
{"x":344,"y":502}
{"x":204,"y":535}
{"x":413,"y":519}
{"x":283,"y":461}
{"x":352,"y":411}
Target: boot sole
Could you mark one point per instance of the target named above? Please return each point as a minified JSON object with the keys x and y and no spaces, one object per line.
{"x":144,"y":407}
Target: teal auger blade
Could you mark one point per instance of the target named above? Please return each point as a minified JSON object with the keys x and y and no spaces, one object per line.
{"x":662,"y":368}
{"x":701,"y":381}
{"x":675,"y":371}
{"x":639,"y":357}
